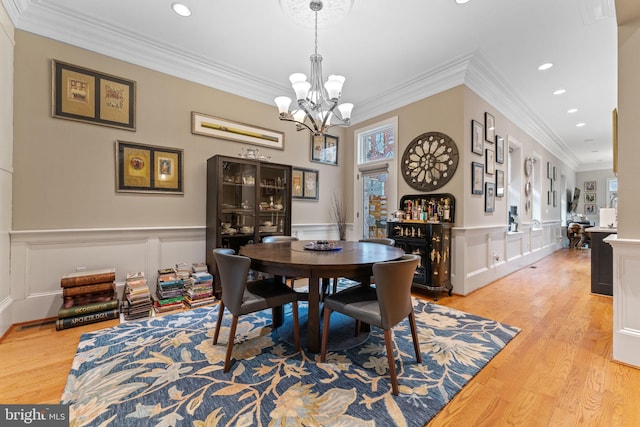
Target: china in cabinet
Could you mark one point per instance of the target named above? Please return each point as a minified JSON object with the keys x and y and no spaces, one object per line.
{"x":246,"y":201}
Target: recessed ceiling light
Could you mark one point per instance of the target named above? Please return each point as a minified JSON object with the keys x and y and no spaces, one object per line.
{"x":572,"y":110}
{"x":545,"y":66}
{"x":559,"y":91}
{"x":181,"y":9}
{"x":462,"y":1}
{"x":579,"y":125}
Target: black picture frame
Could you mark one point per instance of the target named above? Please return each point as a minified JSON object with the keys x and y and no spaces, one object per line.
{"x":477,"y":144}
{"x":489,"y":196}
{"x":142,"y":168}
{"x":489,"y":128}
{"x":499,"y":183}
{"x":304,"y":184}
{"x":89,"y":96}
{"x":490,"y":160}
{"x":499,"y":149}
{"x":477,"y":178}
{"x":324,"y":149}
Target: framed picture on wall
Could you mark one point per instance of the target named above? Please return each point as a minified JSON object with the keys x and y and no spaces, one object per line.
{"x":499,"y":149}
{"x":490,"y":161}
{"x":142,"y":168}
{"x":324,"y":149}
{"x":477,"y":145}
{"x":477,"y":178}
{"x":589,"y":186}
{"x":590,"y":209}
{"x":90,"y":96}
{"x":499,"y":183}
{"x":589,"y":197}
{"x":489,"y":197}
{"x":304,"y":184}
{"x":489,"y":128}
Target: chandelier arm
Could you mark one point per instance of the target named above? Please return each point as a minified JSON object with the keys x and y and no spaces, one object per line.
{"x":307,"y":113}
{"x":299,"y":125}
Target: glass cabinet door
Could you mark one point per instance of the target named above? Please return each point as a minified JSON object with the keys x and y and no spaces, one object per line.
{"x":273,"y":200}
{"x":238,"y":199}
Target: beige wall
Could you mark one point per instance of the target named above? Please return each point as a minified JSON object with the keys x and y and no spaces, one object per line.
{"x":65,"y":170}
{"x":6,"y":155}
{"x":628,"y":136}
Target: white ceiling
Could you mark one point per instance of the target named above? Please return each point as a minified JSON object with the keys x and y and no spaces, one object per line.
{"x":391,"y":52}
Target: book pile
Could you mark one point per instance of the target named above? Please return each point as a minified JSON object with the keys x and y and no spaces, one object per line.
{"x":88,"y":297}
{"x":137,"y":302}
{"x":198,"y":287}
{"x":169,"y":291}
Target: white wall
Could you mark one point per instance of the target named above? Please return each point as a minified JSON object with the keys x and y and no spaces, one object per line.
{"x":6,"y":165}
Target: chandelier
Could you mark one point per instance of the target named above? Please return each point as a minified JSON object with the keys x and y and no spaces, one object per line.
{"x":317,"y":104}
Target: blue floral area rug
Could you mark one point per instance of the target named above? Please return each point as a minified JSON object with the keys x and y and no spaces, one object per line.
{"x":165,"y":371}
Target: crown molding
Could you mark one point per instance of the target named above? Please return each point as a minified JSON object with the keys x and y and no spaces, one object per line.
{"x":50,"y":20}
{"x":487,"y":82}
{"x":420,"y":87}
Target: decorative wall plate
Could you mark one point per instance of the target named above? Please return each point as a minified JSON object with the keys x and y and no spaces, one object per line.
{"x":528,"y":166}
{"x":429,"y":161}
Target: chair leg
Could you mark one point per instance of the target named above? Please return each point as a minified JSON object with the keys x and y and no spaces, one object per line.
{"x":296,"y":325}
{"x":392,"y":363}
{"x":414,"y":335}
{"x":219,"y":323}
{"x":232,"y":334}
{"x":335,"y":285}
{"x":325,"y":334}
{"x":358,"y":326}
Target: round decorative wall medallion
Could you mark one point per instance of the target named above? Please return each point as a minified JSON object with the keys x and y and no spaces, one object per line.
{"x":429,"y":161}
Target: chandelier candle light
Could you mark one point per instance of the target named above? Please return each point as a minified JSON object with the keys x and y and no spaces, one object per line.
{"x":318,"y":107}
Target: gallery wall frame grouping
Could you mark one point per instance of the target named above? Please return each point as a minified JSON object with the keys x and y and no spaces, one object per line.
{"x":142,"y":168}
{"x":90,"y":96}
{"x":324,"y":149}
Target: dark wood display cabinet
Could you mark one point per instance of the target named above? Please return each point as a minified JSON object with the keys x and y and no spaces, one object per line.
{"x":246,"y":201}
{"x":426,"y":230}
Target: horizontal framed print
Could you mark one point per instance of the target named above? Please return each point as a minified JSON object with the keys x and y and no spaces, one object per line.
{"x":324,"y":149}
{"x":90,"y":96}
{"x":477,"y":145}
{"x":477,"y":178}
{"x":215,"y":127}
{"x":304,"y":184}
{"x":142,"y":168}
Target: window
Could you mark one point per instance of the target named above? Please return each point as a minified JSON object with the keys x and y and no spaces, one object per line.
{"x":376,"y":177}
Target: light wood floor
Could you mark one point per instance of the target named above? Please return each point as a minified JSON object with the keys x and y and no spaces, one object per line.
{"x":556,"y":372}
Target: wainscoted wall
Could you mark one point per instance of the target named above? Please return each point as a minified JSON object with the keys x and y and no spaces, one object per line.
{"x":40,"y":258}
{"x":626,"y":299}
{"x":481,"y":255}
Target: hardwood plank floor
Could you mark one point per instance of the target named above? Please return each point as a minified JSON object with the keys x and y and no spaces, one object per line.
{"x":556,"y":372}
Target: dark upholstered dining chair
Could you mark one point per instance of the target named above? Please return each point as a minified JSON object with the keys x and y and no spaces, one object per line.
{"x":242,"y":297}
{"x":276,"y":239}
{"x":384,"y":306}
{"x":380,"y":240}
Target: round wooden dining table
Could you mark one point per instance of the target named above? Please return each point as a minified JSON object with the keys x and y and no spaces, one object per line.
{"x":296,"y":259}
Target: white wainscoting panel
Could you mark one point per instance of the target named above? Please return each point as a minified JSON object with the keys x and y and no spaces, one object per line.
{"x":626,"y":300}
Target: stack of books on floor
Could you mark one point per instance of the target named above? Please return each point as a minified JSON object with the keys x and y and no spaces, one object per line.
{"x":198,"y":288}
{"x":168,"y":295}
{"x":137,"y":302}
{"x":88,"y":297}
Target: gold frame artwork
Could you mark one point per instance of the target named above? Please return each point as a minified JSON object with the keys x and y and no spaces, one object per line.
{"x":89,"y":96}
{"x":142,"y":168}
